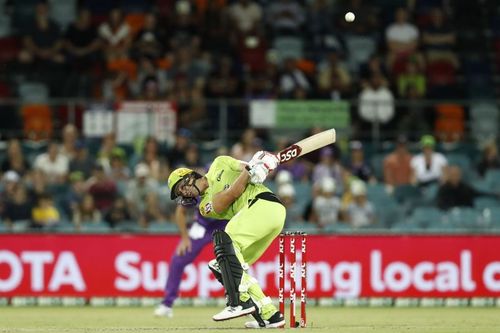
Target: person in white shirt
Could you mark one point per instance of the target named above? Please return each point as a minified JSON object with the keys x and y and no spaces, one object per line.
{"x":401,"y":36}
{"x":428,"y":166}
{"x":376,"y":102}
{"x":326,"y":206}
{"x":360,"y":212}
{"x":53,"y":164}
{"x":246,"y":15}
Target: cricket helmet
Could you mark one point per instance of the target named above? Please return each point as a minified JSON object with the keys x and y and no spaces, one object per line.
{"x":175,"y":177}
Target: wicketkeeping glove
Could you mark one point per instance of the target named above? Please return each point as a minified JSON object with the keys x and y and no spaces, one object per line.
{"x":258,"y":173}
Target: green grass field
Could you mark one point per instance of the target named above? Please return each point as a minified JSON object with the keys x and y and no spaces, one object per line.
{"x":187,"y":319}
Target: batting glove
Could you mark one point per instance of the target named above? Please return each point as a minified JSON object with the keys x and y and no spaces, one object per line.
{"x":269,"y":159}
{"x":258,"y":173}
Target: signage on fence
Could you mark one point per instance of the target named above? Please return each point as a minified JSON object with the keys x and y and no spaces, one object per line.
{"x":300,"y":114}
{"x":133,"y":120}
{"x":353,"y":266}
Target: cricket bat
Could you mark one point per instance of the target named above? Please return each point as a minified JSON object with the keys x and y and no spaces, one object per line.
{"x":307,"y":145}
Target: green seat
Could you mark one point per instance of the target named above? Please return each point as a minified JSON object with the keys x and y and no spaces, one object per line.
{"x":377,"y":162}
{"x":302,"y":226}
{"x":492,"y":178}
{"x":406,"y":226}
{"x":377,"y":194}
{"x":460,"y":160}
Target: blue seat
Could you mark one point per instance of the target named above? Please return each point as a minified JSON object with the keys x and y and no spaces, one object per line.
{"x":492,"y":178}
{"x":463,"y":217}
{"x":407,"y":194}
{"x":377,"y":194}
{"x":406,"y":227}
{"x":425,"y":216}
{"x":101,"y":227}
{"x":377,"y":163}
{"x":486,"y":202}
{"x":162,"y":227}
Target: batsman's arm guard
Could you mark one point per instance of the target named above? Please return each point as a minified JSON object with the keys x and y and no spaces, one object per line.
{"x":229,"y":265}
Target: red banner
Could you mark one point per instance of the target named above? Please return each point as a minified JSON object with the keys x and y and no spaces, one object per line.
{"x":339,"y":266}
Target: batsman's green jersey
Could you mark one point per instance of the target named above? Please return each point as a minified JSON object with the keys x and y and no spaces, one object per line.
{"x":255,"y":220}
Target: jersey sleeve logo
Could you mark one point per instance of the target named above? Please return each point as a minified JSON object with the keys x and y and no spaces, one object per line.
{"x":208,"y":207}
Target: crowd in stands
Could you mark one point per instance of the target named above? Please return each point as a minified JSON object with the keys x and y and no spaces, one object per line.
{"x":192,"y":51}
{"x":195,"y":52}
{"x":77,"y":184}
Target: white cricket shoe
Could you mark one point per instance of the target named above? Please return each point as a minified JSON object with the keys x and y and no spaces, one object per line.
{"x":231,"y":312}
{"x":164,"y":311}
{"x":276,"y":321}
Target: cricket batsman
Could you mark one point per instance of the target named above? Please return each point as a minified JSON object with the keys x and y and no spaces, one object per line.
{"x":233,"y":190}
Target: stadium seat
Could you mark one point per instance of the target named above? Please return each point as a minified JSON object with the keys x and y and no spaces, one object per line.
{"x":406,"y":227}
{"x":100,"y":227}
{"x":162,"y":227}
{"x":486,"y":202}
{"x":360,"y":49}
{"x":288,"y":47}
{"x":425,"y":216}
{"x":450,"y":122}
{"x":377,"y":194}
{"x":304,"y":227}
{"x":63,"y":12}
{"x":5,"y":26}
{"x":463,"y":217}
{"x":407,"y":194}
{"x":377,"y":163}
{"x":492,"y":178}
{"x":128,"y":226}
{"x":33,"y":92}
{"x":491,"y":217}
{"x":37,"y":120}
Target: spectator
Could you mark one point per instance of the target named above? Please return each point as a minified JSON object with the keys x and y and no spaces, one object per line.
{"x":10,"y":182}
{"x":245,"y":17}
{"x":102,"y":188}
{"x":333,"y":78}
{"x":138,"y":188}
{"x":83,"y":48}
{"x":42,"y":44}
{"x":489,"y":159}
{"x":283,"y":177}
{"x":193,"y":158}
{"x":224,"y":82}
{"x":376,"y":102}
{"x":76,"y":192}
{"x":397,"y":165}
{"x":152,"y":210}
{"x":285,"y":17}
{"x":38,"y":185}
{"x":402,"y":39}
{"x":454,"y":192}
{"x":118,"y":170}
{"x":360,"y":212}
{"x":53,"y":164}
{"x":151,"y":157}
{"x":118,"y":213}
{"x":428,"y":166}
{"x":414,"y":116}
{"x":86,"y":212}
{"x":18,"y":208}
{"x":438,"y":39}
{"x":286,"y":193}
{"x":328,"y":167}
{"x":44,"y":213}
{"x":116,"y":35}
{"x":15,"y":160}
{"x":326,"y":206}
{"x":69,"y":139}
{"x":247,"y":146}
{"x":216,"y":29}
{"x":292,"y":80}
{"x":150,"y":40}
{"x":108,"y":143}
{"x":146,"y":72}
{"x":82,"y":162}
{"x":320,"y":27}
{"x":413,"y":78}
{"x":185,"y":31}
{"x":374,"y":67}
{"x":176,"y":155}
{"x":359,"y":168}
